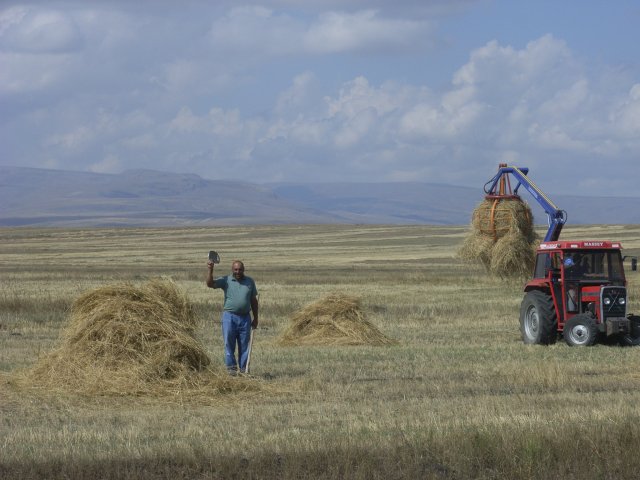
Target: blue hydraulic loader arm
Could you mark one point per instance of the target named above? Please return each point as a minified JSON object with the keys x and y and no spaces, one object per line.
{"x":501,"y":181}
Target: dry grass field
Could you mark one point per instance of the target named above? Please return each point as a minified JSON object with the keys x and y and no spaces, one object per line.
{"x":458,"y":396}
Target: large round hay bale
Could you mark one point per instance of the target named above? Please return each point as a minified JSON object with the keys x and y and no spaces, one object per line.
{"x":336,"y":319}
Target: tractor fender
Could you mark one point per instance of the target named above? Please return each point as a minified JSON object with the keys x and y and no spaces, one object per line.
{"x":538,"y":284}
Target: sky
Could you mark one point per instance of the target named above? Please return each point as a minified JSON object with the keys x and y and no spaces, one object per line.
{"x":438,"y":91}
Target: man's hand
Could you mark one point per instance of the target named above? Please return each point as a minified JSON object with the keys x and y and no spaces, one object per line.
{"x":209,"y":279}
{"x":254,"y":323}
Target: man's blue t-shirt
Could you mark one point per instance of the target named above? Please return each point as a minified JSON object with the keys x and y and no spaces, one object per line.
{"x":237,"y":293}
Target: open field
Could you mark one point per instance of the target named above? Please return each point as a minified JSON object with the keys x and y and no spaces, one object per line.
{"x":459,"y":396}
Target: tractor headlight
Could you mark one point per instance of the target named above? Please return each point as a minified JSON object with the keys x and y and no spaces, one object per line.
{"x":606,"y":301}
{"x":622,"y":301}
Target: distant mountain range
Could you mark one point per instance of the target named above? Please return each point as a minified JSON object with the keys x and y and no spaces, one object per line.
{"x":40,"y":197}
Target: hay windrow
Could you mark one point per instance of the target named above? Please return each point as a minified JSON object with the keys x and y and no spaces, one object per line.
{"x":124,"y":339}
{"x":336,"y":319}
{"x":502,"y":238}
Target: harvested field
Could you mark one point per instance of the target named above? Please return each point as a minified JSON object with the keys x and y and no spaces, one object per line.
{"x":458,"y":397}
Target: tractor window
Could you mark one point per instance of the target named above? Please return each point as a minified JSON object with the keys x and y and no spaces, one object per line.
{"x":594,"y":265}
{"x":577,"y":264}
{"x":545,"y":262}
{"x":607,"y":265}
{"x":615,"y":262}
{"x":600,"y":264}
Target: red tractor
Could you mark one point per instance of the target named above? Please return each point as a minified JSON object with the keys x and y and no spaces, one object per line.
{"x":579,"y":289}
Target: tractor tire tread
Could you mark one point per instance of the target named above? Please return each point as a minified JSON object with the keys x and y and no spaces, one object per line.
{"x":547,"y":324}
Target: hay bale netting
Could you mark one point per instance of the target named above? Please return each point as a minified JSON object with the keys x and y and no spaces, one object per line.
{"x":124,"y":339}
{"x":502,"y":237}
{"x":336,"y":319}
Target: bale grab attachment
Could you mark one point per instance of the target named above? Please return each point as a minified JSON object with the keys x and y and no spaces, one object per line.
{"x":499,"y":188}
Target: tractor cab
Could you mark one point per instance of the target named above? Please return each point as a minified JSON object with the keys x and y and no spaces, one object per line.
{"x":582,"y":262}
{"x":580,"y":288}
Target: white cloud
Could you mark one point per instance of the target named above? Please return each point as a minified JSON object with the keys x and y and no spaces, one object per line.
{"x":31,"y":30}
{"x":627,"y":118}
{"x":144,"y":141}
{"x":554,"y":138}
{"x":452,"y":117}
{"x":356,"y":128}
{"x":362,"y":31}
{"x":258,"y":31}
{"x":295,"y":97}
{"x":358,"y":95}
{"x":306,"y":133}
{"x":385,"y":132}
{"x":31,"y":73}
{"x":181,"y":74}
{"x":218,"y":122}
{"x":575,"y":97}
{"x":186,"y":121}
{"x":544,"y":66}
{"x":74,"y":141}
{"x":66,"y":51}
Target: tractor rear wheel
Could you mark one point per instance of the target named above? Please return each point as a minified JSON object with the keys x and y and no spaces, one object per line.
{"x":580,"y":331}
{"x":538,"y":321}
{"x":632,"y":339}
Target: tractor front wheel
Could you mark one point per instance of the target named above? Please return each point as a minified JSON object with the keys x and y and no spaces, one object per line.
{"x":538,"y":318}
{"x":580,"y":331}
{"x":632,"y":339}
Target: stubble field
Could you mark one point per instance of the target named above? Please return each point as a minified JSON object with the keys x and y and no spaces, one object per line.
{"x":459,"y":396}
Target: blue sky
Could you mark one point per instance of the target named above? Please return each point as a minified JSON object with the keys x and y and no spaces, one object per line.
{"x":325,"y":90}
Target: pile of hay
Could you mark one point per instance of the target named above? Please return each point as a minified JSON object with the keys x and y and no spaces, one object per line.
{"x":335,"y":319}
{"x":502,"y":237}
{"x":124,"y":339}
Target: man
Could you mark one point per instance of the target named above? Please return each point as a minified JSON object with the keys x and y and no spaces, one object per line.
{"x":240,"y":299}
{"x":577,"y":265}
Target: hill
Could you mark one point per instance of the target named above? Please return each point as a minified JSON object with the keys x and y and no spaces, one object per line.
{"x":40,"y":197}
